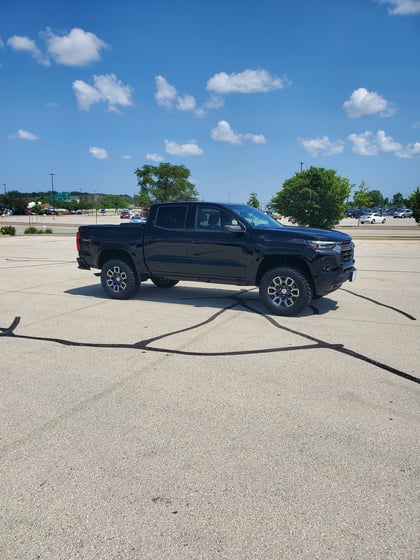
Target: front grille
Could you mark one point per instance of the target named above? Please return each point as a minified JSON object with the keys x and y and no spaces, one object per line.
{"x":347,"y":251}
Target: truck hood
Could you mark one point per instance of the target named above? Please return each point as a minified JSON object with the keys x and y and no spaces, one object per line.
{"x":307,"y":233}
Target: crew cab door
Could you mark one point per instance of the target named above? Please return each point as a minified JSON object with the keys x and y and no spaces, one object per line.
{"x":166,"y":241}
{"x":214,"y":253}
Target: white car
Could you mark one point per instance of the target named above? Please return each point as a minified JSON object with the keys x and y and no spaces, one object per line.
{"x":137,"y":219}
{"x":372,"y":218}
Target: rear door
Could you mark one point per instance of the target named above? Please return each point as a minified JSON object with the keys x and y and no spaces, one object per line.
{"x":166,"y":242}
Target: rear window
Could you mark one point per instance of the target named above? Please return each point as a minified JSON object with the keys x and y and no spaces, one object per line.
{"x":171,"y":217}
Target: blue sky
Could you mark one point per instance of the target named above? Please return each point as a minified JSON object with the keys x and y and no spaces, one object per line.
{"x":244,"y":94}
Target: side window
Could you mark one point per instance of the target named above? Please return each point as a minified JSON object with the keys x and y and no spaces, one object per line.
{"x":213,"y":219}
{"x":171,"y":217}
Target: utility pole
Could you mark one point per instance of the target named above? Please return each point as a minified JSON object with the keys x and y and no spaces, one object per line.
{"x":52,"y":188}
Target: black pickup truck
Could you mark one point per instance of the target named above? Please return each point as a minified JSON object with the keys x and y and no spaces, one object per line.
{"x":221,"y":243}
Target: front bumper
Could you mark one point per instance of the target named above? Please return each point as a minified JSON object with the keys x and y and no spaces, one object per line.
{"x":329,"y":281}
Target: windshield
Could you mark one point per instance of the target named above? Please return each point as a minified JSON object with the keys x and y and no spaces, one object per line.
{"x":255,"y":217}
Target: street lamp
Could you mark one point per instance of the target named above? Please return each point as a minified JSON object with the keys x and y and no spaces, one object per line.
{"x":52,"y":188}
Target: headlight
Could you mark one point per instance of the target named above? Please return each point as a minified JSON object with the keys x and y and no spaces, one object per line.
{"x":325,"y":245}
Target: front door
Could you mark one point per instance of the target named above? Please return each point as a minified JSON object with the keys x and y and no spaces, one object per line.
{"x":214,"y":253}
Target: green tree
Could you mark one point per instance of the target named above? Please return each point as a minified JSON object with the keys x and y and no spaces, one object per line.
{"x":164,"y":183}
{"x":253,"y":200}
{"x":16,"y":201}
{"x":398,"y":200}
{"x":414,"y":204}
{"x":314,"y":197}
{"x":115,"y":201}
{"x":377,"y":198}
{"x":362,"y":198}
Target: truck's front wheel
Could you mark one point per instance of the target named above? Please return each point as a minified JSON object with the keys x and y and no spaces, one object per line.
{"x":119,"y":279}
{"x":285,"y":291}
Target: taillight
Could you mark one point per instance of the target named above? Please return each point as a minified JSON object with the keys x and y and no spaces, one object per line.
{"x":78,"y":241}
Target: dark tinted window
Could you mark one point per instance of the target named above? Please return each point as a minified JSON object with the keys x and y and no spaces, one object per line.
{"x":171,"y":217}
{"x":212,"y":218}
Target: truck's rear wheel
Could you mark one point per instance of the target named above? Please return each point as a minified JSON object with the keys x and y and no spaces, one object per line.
{"x":162,"y":282}
{"x":119,"y":279}
{"x":285,"y":291}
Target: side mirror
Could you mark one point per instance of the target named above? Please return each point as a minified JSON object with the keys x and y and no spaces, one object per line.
{"x":234,"y":229}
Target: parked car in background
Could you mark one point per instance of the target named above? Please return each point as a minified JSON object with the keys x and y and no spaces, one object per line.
{"x":137,"y":219}
{"x":372,"y":218}
{"x":125,"y":214}
{"x":352,"y":212}
{"x":404,"y":213}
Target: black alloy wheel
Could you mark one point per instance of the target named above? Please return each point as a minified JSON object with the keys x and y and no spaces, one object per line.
{"x":285,"y":291}
{"x":119,"y":279}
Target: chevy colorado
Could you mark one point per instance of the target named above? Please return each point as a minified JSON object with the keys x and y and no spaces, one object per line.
{"x":223,"y":243}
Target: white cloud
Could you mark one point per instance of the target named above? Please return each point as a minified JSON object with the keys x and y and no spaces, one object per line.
{"x":416,"y":124}
{"x":322,"y":146}
{"x":24,"y":135}
{"x":411,"y":151}
{"x":165,"y":93}
{"x":107,"y":89}
{"x":98,"y":153}
{"x":364,"y":102}
{"x":368,"y":144}
{"x":249,"y":81}
{"x":386,"y":143}
{"x":86,"y":95}
{"x":255,"y":138}
{"x":214,"y":102}
{"x":24,"y":44}
{"x":126,"y":156}
{"x":186,"y":103}
{"x":189,"y":149}
{"x":224,"y":133}
{"x":363,"y":145}
{"x":78,"y":48}
{"x":402,"y":7}
{"x":157,"y":158}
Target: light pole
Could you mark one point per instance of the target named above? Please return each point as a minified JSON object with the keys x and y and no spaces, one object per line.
{"x":52,"y":188}
{"x":4,"y":186}
{"x":301,"y":165}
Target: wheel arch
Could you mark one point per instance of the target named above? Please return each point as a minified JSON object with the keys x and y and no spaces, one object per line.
{"x":115,"y":253}
{"x":275,"y":261}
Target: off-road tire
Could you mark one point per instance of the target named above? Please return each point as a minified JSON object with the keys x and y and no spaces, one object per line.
{"x":119,"y":279}
{"x":285,"y":291}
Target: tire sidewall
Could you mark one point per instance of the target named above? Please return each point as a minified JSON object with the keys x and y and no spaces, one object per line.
{"x":132,"y":283}
{"x":304,"y":286}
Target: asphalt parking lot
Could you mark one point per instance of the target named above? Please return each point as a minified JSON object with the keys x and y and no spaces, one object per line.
{"x":187,"y":423}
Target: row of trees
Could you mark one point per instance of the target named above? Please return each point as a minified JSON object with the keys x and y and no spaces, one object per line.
{"x":315,"y":197}
{"x":38,"y":202}
{"x":318,"y":197}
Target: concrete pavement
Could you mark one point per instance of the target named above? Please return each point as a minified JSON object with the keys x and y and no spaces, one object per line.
{"x":186,"y":423}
